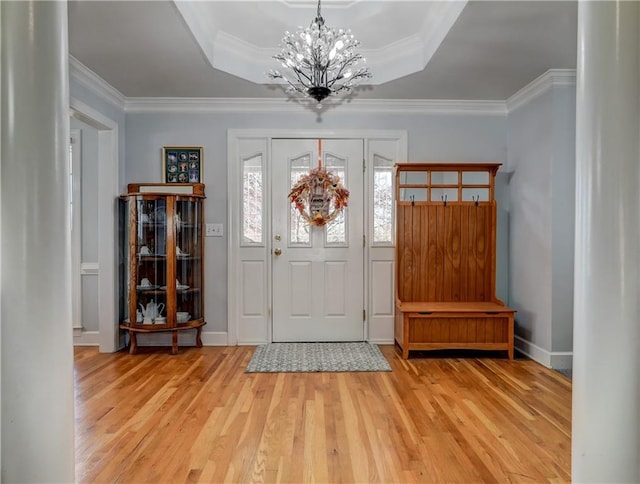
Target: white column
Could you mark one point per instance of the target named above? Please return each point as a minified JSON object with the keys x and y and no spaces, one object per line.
{"x":606,"y":368}
{"x":36,"y":333}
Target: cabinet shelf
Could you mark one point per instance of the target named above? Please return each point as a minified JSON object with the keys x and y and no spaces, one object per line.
{"x":178,"y":229}
{"x":162,"y":292}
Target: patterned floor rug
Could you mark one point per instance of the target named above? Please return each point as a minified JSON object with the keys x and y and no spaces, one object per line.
{"x":313,"y":357}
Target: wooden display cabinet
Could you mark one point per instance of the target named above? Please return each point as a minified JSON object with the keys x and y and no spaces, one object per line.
{"x":164,"y":260}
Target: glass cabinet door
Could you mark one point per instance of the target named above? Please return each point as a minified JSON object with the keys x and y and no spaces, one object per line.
{"x":189,"y":290}
{"x":151,"y":260}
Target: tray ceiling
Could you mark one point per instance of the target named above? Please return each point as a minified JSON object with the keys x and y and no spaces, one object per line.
{"x":415,"y":49}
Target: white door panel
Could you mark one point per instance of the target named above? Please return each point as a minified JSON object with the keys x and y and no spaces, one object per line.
{"x":318,"y":281}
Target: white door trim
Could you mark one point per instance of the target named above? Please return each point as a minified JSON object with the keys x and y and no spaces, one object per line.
{"x":108,"y":174}
{"x":235,"y":137}
{"x":76,"y":229}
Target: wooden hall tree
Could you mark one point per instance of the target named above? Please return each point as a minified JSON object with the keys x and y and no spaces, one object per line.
{"x":446,"y":259}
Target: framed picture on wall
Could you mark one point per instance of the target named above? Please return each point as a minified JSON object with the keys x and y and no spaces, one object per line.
{"x":182,"y":164}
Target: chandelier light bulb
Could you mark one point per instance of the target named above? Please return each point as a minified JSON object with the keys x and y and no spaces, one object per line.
{"x":321,"y":63}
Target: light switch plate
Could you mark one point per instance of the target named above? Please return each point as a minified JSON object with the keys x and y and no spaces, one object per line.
{"x":213,"y":230}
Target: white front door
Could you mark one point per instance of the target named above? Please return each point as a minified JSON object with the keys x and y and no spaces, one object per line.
{"x":318,"y":276}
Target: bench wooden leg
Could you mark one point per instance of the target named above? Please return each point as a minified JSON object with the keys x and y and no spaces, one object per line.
{"x":405,"y":337}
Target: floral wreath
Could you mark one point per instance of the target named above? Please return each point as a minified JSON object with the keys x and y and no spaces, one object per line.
{"x":315,"y":194}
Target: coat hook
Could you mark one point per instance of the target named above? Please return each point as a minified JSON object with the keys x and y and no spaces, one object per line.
{"x":413,"y":199}
{"x":476,"y":201}
{"x":444,"y":199}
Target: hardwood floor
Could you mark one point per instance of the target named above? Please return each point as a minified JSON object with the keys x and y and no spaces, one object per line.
{"x":197,"y":417}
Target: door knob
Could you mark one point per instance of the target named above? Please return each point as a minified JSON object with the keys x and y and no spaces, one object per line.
{"x":277,"y":251}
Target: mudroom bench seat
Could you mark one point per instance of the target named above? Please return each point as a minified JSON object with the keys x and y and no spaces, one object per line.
{"x":453,"y":325}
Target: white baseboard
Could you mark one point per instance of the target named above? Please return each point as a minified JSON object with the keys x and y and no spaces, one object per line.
{"x":252,"y":343}
{"x":383,"y":341}
{"x":558,"y":360}
{"x":215,"y":338}
{"x":85,"y":338}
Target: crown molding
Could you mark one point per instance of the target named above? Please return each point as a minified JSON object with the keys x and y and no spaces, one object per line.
{"x":268,"y":105}
{"x":540,"y":85}
{"x":104,"y":90}
{"x":96,"y":84}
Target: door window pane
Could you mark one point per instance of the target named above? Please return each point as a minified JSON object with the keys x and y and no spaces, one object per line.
{"x":336,"y":233}
{"x":382,"y":200}
{"x":252,"y":201}
{"x":298,"y":226}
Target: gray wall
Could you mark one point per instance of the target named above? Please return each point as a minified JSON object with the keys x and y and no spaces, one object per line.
{"x":535,"y":188}
{"x":563,"y":217}
{"x":542,"y":165}
{"x":431,"y":138}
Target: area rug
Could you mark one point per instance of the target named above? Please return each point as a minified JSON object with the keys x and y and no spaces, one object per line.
{"x":314,"y":357}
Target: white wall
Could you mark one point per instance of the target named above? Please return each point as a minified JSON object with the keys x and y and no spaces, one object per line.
{"x":541,"y":160}
{"x":432,"y":137}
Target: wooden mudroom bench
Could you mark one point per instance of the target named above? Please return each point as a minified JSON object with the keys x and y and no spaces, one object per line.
{"x":446,"y":259}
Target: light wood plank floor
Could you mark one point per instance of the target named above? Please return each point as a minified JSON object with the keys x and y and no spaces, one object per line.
{"x":197,"y":417}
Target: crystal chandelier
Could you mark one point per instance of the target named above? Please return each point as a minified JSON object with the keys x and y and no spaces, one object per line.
{"x":322,"y":61}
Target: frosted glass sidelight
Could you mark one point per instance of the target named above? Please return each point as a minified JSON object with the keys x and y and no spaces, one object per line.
{"x":253,"y":201}
{"x":382,"y":200}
